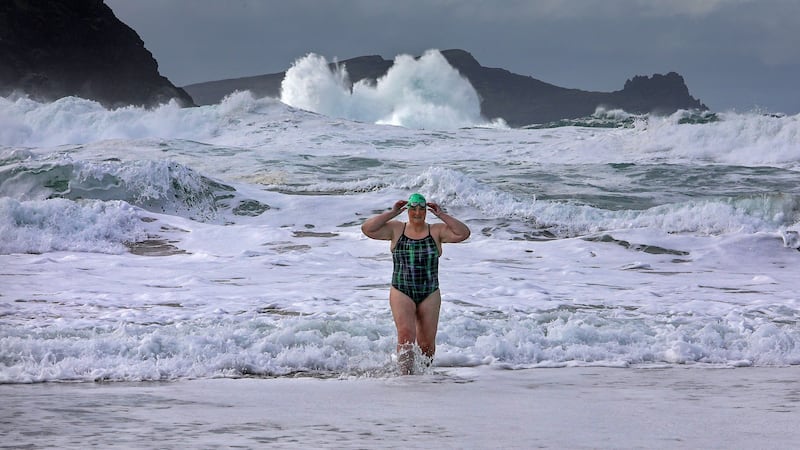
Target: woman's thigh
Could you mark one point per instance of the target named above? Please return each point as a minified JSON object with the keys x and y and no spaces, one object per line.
{"x":404,"y":311}
{"x":428,"y":319}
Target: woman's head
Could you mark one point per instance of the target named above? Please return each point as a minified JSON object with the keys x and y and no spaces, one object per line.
{"x":417,"y":207}
{"x":416,"y":201}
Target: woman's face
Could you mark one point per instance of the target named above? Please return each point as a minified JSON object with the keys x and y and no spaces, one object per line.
{"x":417,"y":212}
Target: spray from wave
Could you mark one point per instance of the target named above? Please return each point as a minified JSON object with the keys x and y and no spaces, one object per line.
{"x":415,"y":93}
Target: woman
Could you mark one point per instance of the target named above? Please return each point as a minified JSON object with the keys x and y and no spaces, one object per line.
{"x":414,"y":296}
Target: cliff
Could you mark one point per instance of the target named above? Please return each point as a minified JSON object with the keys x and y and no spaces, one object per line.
{"x":523,"y":100}
{"x":53,"y":48}
{"x":520,"y":100}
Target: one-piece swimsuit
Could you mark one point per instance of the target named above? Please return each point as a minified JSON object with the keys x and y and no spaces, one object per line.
{"x":416,"y":266}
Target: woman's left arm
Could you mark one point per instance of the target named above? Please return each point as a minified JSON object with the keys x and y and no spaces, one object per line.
{"x":454,"y":230}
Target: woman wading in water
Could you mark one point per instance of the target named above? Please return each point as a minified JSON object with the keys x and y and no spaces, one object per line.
{"x":414,"y":296}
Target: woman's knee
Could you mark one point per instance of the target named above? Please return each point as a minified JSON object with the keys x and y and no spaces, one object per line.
{"x":406,"y":335}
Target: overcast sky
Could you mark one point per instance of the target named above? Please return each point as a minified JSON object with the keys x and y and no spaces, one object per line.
{"x":733,"y":54}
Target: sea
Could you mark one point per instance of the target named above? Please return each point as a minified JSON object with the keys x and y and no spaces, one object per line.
{"x":224,"y":241}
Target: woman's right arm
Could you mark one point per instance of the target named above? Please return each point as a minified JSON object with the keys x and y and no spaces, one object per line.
{"x":379,"y":227}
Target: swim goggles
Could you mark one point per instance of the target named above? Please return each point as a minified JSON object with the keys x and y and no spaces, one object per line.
{"x":415,"y":205}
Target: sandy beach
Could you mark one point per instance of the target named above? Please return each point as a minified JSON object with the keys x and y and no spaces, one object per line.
{"x":677,"y":407}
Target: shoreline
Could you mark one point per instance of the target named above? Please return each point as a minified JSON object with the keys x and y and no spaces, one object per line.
{"x":588,"y":407}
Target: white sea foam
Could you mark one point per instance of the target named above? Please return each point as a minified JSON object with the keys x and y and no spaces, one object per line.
{"x":42,"y":226}
{"x":416,"y":93}
{"x":746,"y":139}
{"x":243,"y":121}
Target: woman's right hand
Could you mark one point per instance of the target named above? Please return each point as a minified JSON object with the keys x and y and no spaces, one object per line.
{"x":399,"y":206}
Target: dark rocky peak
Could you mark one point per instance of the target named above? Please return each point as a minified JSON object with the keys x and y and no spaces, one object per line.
{"x":461,"y":59}
{"x":54,"y":48}
{"x":671,"y":82}
{"x":669,"y":92}
{"x":365,"y":67}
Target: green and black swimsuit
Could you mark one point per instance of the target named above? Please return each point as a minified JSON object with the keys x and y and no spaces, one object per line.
{"x":416,"y":266}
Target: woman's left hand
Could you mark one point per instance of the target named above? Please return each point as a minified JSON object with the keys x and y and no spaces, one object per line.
{"x":434,"y":208}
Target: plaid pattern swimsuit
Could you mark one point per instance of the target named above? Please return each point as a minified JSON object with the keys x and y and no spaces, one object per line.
{"x":416,"y":266}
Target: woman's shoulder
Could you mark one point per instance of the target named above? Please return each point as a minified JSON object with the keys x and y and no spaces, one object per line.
{"x":437,"y":227}
{"x":396,"y":226}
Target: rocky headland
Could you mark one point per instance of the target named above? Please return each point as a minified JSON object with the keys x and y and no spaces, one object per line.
{"x":53,"y":48}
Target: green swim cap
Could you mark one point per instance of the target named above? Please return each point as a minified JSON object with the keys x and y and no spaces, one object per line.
{"x":416,"y":199}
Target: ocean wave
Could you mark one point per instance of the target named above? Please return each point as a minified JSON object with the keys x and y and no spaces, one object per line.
{"x":748,"y":214}
{"x":41,"y":226}
{"x":241,"y":120}
{"x":345,"y":344}
{"x":73,"y":121}
{"x":602,"y":118}
{"x":718,"y":215}
{"x":160,"y":186}
{"x":423,"y":93}
{"x":749,"y":139}
{"x":618,"y":118}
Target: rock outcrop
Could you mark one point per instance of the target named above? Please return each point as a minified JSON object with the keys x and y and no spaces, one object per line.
{"x":54,"y":48}
{"x":520,"y":100}
{"x":523,"y":100}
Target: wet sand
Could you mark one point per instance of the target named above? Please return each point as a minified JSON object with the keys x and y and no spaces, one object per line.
{"x":676,"y":407}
